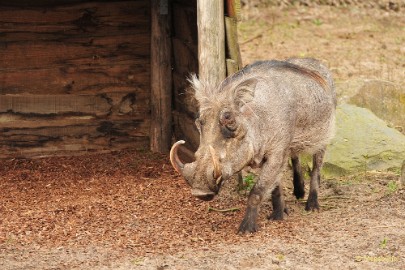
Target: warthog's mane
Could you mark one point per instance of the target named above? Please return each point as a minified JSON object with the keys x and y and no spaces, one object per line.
{"x":275,"y":64}
{"x":208,"y":94}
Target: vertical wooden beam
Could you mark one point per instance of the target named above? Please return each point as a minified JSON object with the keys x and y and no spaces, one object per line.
{"x":161,"y":77}
{"x":234,"y":58}
{"x":233,"y":9}
{"x":211,"y":41}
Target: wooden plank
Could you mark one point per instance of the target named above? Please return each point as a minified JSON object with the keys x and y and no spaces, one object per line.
{"x":211,"y":41}
{"x":54,"y":104}
{"x":122,"y":77}
{"x":94,"y":105}
{"x":18,"y":121}
{"x":85,"y":18}
{"x":161,"y":77}
{"x":231,"y":67}
{"x":85,"y":51}
{"x":94,"y":135}
{"x":89,"y":128}
{"x":232,"y":45}
{"x":25,"y":3}
{"x":75,"y":147}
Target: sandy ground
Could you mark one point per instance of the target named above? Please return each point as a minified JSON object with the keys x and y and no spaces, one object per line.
{"x":130,"y":210}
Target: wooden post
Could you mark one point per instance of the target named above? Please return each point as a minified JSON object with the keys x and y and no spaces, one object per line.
{"x":234,"y":59}
{"x":161,"y":77}
{"x":211,"y":41}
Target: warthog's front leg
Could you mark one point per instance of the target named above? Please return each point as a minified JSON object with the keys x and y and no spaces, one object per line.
{"x":268,"y":183}
{"x":312,"y":202}
{"x":249,"y":222}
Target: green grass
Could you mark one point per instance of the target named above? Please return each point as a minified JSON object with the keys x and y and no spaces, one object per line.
{"x":392,"y":186}
{"x":317,"y":22}
{"x":383,"y":243}
{"x":248,"y":182}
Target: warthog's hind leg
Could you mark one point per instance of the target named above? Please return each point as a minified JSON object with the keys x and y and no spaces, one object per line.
{"x":312,"y":202}
{"x":298,"y":178}
{"x":277,"y":200}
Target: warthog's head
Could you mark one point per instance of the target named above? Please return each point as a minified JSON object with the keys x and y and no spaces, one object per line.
{"x":225,"y":144}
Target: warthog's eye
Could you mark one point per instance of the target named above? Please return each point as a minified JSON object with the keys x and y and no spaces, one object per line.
{"x":228,"y":124}
{"x":227,"y":133}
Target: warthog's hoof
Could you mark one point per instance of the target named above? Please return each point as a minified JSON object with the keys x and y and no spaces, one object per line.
{"x":299,"y":191}
{"x":248,"y":227}
{"x":278,"y":215}
{"x":312,"y":202}
{"x":248,"y":223}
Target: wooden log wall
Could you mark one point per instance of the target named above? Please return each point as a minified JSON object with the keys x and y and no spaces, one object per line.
{"x":74,"y":77}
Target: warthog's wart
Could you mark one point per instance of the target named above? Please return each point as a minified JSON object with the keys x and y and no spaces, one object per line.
{"x":261,"y":116}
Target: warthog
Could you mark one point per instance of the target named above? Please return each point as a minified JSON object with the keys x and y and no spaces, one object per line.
{"x":260,"y":116}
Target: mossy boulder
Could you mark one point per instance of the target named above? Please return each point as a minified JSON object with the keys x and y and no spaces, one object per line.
{"x":363,"y":142}
{"x":384,"y":99}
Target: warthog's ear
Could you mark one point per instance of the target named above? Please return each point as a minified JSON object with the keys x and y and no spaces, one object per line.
{"x":245,"y":91}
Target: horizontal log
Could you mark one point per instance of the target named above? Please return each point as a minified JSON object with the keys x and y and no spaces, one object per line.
{"x":123,"y":77}
{"x":14,"y":121}
{"x":70,"y":136}
{"x":88,"y":129}
{"x":75,"y":147}
{"x":91,"y":18}
{"x":85,"y":51}
{"x":94,"y":105}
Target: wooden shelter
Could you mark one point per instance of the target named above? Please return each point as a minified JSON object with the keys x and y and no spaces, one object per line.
{"x":88,"y":76}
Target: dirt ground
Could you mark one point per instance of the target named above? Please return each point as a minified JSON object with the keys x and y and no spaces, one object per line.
{"x":130,"y":210}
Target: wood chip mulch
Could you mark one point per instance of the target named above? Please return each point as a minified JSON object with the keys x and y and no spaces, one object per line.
{"x":126,"y":200}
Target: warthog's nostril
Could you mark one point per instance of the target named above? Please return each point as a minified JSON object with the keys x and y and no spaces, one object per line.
{"x":203,"y":195}
{"x":207,"y":197}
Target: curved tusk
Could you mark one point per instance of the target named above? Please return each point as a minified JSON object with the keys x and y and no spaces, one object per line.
{"x":174,"y":158}
{"x":217,"y":166}
{"x":218,"y":181}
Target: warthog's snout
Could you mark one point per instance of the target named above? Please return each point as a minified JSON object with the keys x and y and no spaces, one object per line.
{"x":203,"y":195}
{"x":212,"y":176}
